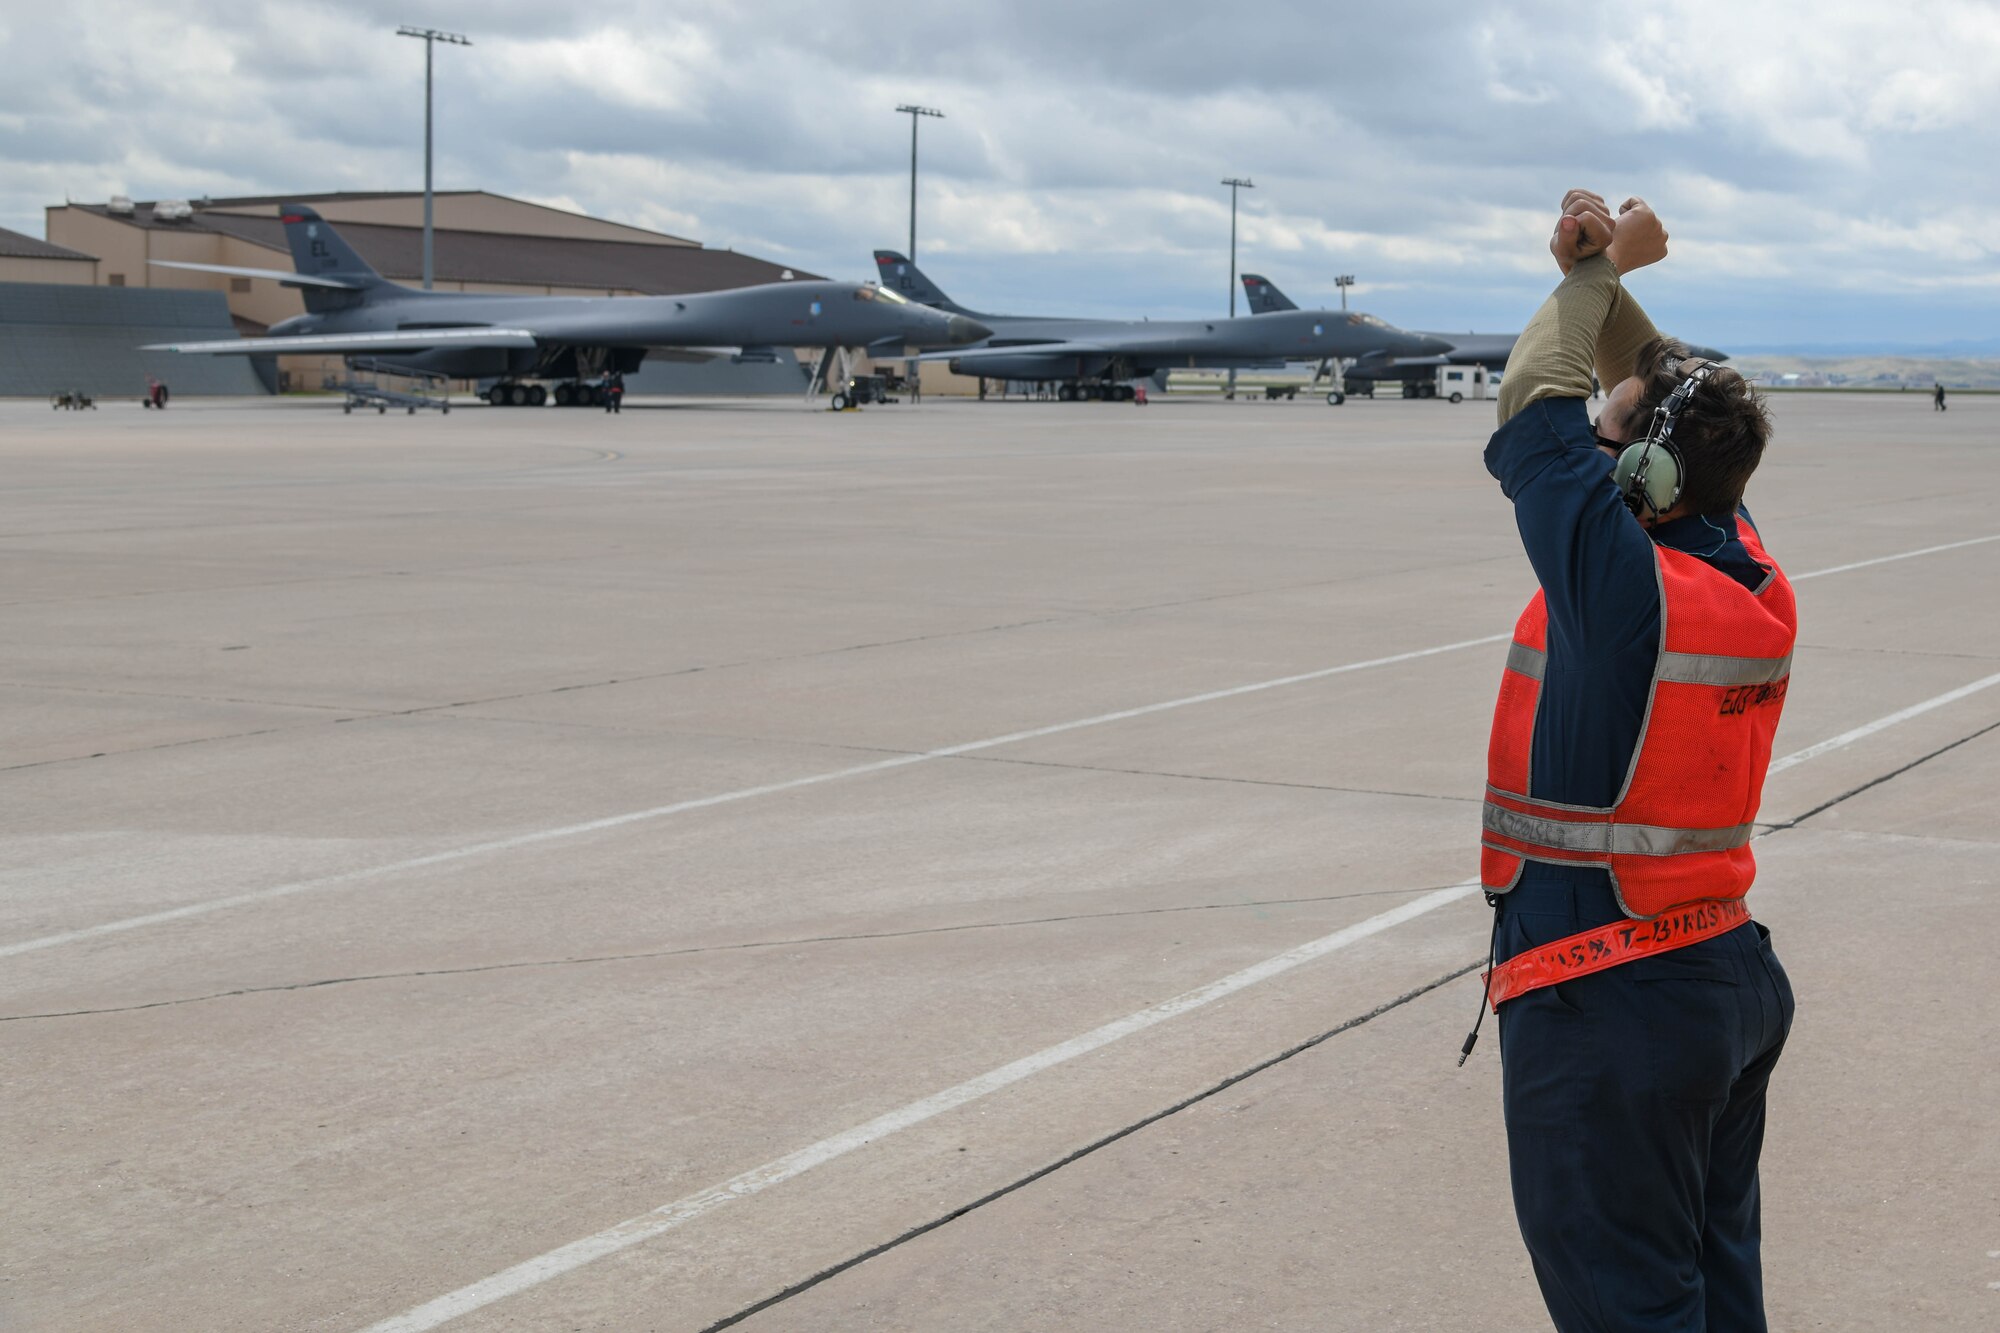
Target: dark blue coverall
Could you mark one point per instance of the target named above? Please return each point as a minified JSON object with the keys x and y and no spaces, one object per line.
{"x":1634,"y":1097}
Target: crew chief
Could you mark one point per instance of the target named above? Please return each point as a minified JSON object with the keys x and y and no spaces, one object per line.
{"x":1641,"y":1011}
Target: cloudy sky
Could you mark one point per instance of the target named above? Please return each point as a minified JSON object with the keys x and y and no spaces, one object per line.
{"x":1827,"y":170}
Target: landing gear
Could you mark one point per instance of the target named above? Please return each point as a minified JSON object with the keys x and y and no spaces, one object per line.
{"x":506,"y":394}
{"x":1336,"y":398}
{"x":1070,"y":392}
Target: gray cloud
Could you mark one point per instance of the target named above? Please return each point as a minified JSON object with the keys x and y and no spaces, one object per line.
{"x":1824,"y":168}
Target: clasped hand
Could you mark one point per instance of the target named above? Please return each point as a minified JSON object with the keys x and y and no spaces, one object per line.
{"x":1633,"y":239}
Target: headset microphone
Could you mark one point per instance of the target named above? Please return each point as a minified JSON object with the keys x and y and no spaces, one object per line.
{"x":1649,"y":474}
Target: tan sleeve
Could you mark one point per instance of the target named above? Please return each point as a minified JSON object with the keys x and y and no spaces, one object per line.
{"x":1553,"y":356}
{"x":1626,"y":330}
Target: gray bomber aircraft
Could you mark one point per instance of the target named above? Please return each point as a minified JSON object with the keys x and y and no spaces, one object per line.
{"x":1458,"y":349}
{"x":1096,"y":358}
{"x":354,"y":312}
{"x":1490,"y":350}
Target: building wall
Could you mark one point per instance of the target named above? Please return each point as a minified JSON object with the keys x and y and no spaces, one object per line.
{"x":120,"y":249}
{"x":16,"y":268}
{"x":58,"y":338}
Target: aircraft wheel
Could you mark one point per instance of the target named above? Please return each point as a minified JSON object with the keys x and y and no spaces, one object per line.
{"x":381,"y":409}
{"x":492,"y":395}
{"x":1065,"y":393}
{"x":537,"y":395}
{"x":409,"y":411}
{"x":517,"y":395}
{"x":347,"y":409}
{"x":1458,"y":398}
{"x":839,"y":402}
{"x":445,"y":410}
{"x":1336,"y":398}
{"x":562,"y":395}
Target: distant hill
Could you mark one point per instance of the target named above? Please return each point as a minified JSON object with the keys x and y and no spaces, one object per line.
{"x":1869,"y":371}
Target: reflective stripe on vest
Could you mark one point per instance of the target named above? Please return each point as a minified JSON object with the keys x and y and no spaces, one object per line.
{"x":1686,"y":668}
{"x":1559,"y":834}
{"x":1680,"y":827}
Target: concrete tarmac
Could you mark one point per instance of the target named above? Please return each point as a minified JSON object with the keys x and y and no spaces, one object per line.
{"x":735,"y":865}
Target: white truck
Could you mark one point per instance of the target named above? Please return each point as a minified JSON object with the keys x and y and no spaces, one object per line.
{"x":1458,"y":383}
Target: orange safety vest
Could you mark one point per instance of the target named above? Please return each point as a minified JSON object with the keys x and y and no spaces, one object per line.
{"x":1679,"y":831}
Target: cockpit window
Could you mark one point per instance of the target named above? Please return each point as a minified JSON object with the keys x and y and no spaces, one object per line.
{"x":864,"y":293}
{"x":880,"y":294}
{"x":1372,"y":320}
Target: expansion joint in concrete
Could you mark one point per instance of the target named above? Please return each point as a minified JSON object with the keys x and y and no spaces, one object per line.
{"x":1877,"y":781}
{"x":1094,"y":1146}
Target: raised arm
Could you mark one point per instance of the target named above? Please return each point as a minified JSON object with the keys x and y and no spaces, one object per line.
{"x":1589,"y":321}
{"x":1626,"y":330}
{"x":1553,"y":356}
{"x":1593,"y":561}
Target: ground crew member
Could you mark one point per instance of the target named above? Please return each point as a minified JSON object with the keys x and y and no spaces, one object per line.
{"x":1641,"y":1011}
{"x":1937,"y":397}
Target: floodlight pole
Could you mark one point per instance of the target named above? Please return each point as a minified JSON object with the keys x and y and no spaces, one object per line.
{"x":431,"y":37}
{"x":1344,"y":281}
{"x":913,"y":112}
{"x":1234,"y":185}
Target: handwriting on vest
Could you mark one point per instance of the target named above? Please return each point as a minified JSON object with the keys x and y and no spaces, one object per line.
{"x":1742,"y":698}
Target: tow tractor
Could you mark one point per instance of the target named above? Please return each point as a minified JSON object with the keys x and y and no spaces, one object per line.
{"x":863,"y":389}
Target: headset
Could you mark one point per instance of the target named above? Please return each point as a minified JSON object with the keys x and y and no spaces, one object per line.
{"x":1650,"y":473}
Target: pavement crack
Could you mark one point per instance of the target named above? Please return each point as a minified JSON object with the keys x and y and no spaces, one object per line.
{"x":528,"y":964}
{"x":162,"y":745}
{"x":1209,"y":777}
{"x":1094,"y":1146}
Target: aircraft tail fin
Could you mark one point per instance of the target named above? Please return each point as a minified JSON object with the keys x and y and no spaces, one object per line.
{"x":900,"y":274}
{"x":319,"y":252}
{"x":1265,"y":298}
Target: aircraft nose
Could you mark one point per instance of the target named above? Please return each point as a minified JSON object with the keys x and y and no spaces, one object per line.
{"x":959,"y":330}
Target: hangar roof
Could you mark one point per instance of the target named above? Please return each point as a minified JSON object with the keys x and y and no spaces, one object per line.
{"x":484,"y":256}
{"x":14,"y":245}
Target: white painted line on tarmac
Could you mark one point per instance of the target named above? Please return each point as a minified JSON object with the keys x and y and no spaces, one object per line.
{"x":1900,"y":555}
{"x":576,"y":1254}
{"x":633,"y":1231}
{"x":366,"y":873}
{"x":1867,"y":729}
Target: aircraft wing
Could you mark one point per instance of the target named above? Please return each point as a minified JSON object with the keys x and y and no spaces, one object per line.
{"x":1053,"y":348}
{"x":275,"y":275}
{"x":354,"y":344}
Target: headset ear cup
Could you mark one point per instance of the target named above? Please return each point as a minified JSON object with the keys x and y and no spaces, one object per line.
{"x":1648,"y":476}
{"x":1663,"y":478}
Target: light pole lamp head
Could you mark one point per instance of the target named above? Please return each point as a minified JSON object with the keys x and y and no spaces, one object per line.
{"x":434,"y":35}
{"x":913,"y":110}
{"x":1240,"y":184}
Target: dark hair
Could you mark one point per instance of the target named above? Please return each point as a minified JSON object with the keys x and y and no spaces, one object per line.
{"x":1720,"y":431}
